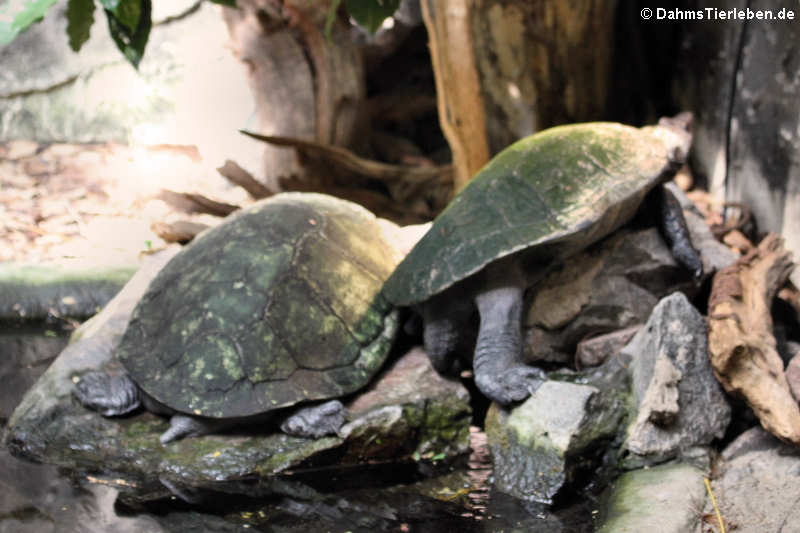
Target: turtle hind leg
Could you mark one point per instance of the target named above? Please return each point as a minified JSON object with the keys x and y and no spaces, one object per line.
{"x":315,"y":421}
{"x":108,"y":394}
{"x":181,"y":426}
{"x":446,"y":318}
{"x":499,"y":371}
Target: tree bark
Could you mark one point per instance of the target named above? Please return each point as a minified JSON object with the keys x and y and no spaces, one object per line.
{"x":461,"y":112}
{"x":507,"y":68}
{"x":305,"y":84}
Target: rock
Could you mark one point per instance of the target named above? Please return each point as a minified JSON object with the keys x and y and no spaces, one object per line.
{"x":49,"y":93}
{"x":25,"y":352}
{"x":409,"y":410}
{"x":758,"y":489}
{"x":662,"y":498}
{"x":411,"y":398}
{"x":613,"y":285}
{"x":793,"y":375}
{"x":35,"y":292}
{"x":679,"y":403}
{"x":610,"y":286}
{"x":595,"y":350}
{"x":560,"y":431}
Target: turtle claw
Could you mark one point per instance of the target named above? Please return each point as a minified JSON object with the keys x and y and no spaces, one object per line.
{"x":514,"y":384}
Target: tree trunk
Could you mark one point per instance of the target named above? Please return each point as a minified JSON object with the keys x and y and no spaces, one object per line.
{"x":306,"y":85}
{"x":507,"y":68}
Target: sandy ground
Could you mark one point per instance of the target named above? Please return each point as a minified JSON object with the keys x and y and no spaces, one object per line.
{"x":94,"y":204}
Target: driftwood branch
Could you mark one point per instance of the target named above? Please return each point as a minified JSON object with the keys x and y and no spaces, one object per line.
{"x":196,"y":203}
{"x":347,"y":160}
{"x":741,"y":344}
{"x":239,"y":176}
{"x":416,"y":193}
{"x":181,"y":231}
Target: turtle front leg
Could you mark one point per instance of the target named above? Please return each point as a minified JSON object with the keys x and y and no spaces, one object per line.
{"x":673,"y":227}
{"x":499,"y":371}
{"x":108,"y":394}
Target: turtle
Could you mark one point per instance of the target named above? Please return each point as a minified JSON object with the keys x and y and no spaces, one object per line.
{"x":536,"y":203}
{"x":277,"y":306}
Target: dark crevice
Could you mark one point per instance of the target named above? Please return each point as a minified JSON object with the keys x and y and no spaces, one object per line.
{"x":40,"y":90}
{"x":737,"y":65}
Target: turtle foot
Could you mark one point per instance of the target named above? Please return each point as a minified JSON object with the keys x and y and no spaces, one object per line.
{"x":511,"y":385}
{"x":108,"y":394}
{"x":181,"y":426}
{"x":315,"y":421}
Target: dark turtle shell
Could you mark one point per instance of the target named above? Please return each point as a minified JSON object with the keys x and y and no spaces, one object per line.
{"x":278,"y":304}
{"x":558,"y":191}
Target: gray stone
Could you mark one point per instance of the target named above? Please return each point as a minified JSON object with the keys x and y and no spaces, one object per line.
{"x":595,"y":350}
{"x":679,"y":402}
{"x":793,"y":374}
{"x":540,"y":446}
{"x":613,"y":285}
{"x":189,"y":88}
{"x":610,"y":286}
{"x":664,"y":498}
{"x":409,"y":411}
{"x":758,"y":489}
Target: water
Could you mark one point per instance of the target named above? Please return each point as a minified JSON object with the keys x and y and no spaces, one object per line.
{"x":405,"y":497}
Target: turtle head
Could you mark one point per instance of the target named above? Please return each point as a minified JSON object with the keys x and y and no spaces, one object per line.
{"x":676,"y":133}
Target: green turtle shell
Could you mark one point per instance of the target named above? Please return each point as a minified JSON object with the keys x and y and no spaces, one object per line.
{"x":278,"y":304}
{"x":552,"y":193}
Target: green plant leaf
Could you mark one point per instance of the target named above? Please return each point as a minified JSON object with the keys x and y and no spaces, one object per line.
{"x":229,"y":3}
{"x":371,"y":13}
{"x":16,"y":15}
{"x":80,"y":17}
{"x":109,"y":5}
{"x":130,"y":42}
{"x":127,"y":12}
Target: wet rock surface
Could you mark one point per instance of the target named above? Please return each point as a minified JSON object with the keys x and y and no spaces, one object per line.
{"x":679,"y":402}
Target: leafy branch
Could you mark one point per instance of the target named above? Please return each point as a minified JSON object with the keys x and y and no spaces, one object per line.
{"x":129,"y":21}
